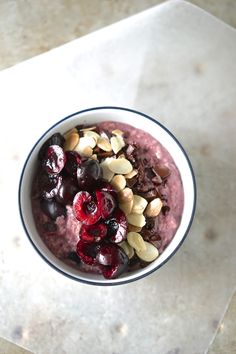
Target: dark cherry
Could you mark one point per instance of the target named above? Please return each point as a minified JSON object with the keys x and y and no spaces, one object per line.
{"x":88,"y":174}
{"x":54,"y":159}
{"x":85,"y":208}
{"x":107,"y":187}
{"x":118,"y":233}
{"x":55,"y":139}
{"x":48,"y":184}
{"x":93,"y":233}
{"x":106,"y":203}
{"x":67,"y":191}
{"x":113,"y":260}
{"x":52,"y":209}
{"x":73,"y":160}
{"x":87,"y":252}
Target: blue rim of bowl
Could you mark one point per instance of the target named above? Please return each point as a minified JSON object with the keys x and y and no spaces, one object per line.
{"x":109,"y":282}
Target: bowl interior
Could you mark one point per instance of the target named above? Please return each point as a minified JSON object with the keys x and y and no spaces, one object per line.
{"x":137,"y":120}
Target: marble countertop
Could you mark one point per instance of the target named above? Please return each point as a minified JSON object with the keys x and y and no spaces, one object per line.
{"x":176,"y":63}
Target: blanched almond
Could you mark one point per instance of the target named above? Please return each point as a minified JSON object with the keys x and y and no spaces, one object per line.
{"x":71,"y":141}
{"x":121,"y":156}
{"x":129,"y":251}
{"x":69,"y":132}
{"x":131,"y":174}
{"x":118,"y":182}
{"x":125,"y":195}
{"x":136,"y":220}
{"x":117,"y":132}
{"x":136,"y":241}
{"x":92,"y":134}
{"x":107,"y":173}
{"x":87,"y":129}
{"x":154,"y":207}
{"x":120,"y":166}
{"x":87,"y":141}
{"x":139,"y":204}
{"x":104,"y":144}
{"x":85,"y":151}
{"x":94,"y":157}
{"x":126,"y":207}
{"x":149,"y":254}
{"x":132,"y":228}
{"x":117,"y":143}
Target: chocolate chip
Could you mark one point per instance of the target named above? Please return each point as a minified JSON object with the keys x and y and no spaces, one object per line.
{"x":150,"y":195}
{"x":130,"y":182}
{"x":162,"y":171}
{"x":165,"y":209}
{"x":157,"y":180}
{"x":104,"y":154}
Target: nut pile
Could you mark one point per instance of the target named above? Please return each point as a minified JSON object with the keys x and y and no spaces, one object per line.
{"x":122,"y":171}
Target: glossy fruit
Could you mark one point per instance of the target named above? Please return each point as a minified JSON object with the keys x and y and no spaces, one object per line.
{"x":87,"y":252}
{"x":93,"y":233}
{"x":113,"y":260}
{"x":67,"y":191}
{"x":73,"y":160}
{"x":112,"y":226}
{"x":107,"y":187}
{"x":48,"y":184}
{"x":54,"y":159}
{"x":55,"y":139}
{"x":88,"y":174}
{"x":106,"y":203}
{"x":85,"y":208}
{"x":52,"y":209}
{"x":117,"y":233}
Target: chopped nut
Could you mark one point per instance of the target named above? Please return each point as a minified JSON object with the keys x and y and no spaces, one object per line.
{"x":125,"y":195}
{"x":131,"y":174}
{"x":136,"y":241}
{"x":107,"y":173}
{"x":92,"y":134}
{"x":154,"y":207}
{"x":117,"y":132}
{"x":129,"y":251}
{"x":139,"y":204}
{"x":104,"y":144}
{"x":149,"y":254}
{"x":120,"y":166}
{"x":71,"y":141}
{"x":136,"y":220}
{"x":126,"y":207}
{"x":117,"y":143}
{"x":132,"y":228}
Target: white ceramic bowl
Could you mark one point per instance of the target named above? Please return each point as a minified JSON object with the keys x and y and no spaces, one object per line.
{"x":138,"y":120}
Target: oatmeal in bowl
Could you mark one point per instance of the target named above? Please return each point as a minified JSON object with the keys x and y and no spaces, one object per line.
{"x":111,"y":195}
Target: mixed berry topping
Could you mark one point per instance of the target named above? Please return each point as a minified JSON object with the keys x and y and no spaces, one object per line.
{"x":113,"y":193}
